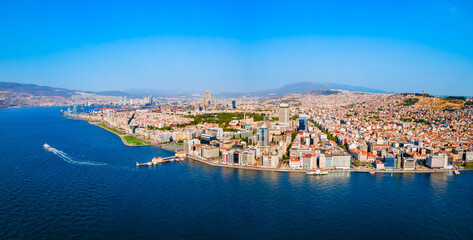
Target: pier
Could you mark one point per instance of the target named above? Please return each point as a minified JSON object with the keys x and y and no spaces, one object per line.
{"x":155,"y":161}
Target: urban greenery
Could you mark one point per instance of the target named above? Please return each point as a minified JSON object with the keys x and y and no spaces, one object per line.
{"x":135,"y":141}
{"x":221,"y":118}
{"x":110,"y":129}
{"x":357,"y":163}
{"x":293,"y":136}
{"x":166,"y":128}
{"x":329,"y":135}
{"x":468,"y":165}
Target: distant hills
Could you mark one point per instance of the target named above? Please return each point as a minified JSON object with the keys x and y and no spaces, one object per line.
{"x":302,"y":88}
{"x":46,"y":91}
{"x":295,"y":88}
{"x":35,"y":90}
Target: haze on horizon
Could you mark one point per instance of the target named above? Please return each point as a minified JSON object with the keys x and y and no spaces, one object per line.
{"x":406,"y":46}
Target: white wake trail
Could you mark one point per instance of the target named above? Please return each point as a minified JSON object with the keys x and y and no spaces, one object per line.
{"x":67,"y":159}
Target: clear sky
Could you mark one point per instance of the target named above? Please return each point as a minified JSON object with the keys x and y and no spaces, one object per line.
{"x":399,"y":46}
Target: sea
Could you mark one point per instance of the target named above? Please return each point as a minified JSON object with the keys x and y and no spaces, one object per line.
{"x":86,"y":186}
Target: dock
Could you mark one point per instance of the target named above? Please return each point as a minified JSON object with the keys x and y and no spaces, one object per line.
{"x":155,"y":161}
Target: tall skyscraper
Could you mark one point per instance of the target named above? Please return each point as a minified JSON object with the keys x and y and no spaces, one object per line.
{"x":284,"y":116}
{"x":264,"y":135}
{"x":234,"y":104}
{"x":303,"y":123}
{"x":207,"y":98}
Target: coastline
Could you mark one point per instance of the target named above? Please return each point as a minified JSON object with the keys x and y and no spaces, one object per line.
{"x":122,"y":137}
{"x":217,"y":164}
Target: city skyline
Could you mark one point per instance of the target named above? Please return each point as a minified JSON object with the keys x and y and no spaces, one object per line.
{"x":404,"y":47}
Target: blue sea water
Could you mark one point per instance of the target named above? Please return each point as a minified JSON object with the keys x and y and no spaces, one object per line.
{"x":89,"y":188}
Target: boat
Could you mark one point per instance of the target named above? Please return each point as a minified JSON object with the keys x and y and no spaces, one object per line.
{"x":372,"y":172}
{"x":317,"y":172}
{"x":46,"y":146}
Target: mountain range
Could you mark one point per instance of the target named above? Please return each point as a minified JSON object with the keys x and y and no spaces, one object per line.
{"x":301,"y":88}
{"x":294,"y":88}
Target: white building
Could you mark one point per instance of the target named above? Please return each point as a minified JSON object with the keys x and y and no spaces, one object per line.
{"x":438,"y":161}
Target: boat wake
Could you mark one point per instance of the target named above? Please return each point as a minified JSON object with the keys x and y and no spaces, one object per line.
{"x":68,"y":159}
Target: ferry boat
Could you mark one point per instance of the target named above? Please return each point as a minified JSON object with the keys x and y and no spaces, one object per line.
{"x":317,"y":172}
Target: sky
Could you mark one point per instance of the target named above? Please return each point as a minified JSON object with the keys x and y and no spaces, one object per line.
{"x":395,"y":46}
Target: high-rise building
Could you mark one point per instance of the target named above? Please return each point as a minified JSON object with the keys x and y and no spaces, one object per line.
{"x":284,"y":116}
{"x":303,"y":123}
{"x":234,"y":104}
{"x":207,"y":98}
{"x":263,"y":135}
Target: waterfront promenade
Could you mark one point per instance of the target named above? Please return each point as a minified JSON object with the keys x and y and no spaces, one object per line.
{"x":218,"y":164}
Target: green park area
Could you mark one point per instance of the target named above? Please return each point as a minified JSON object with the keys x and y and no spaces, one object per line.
{"x":222,"y":119}
{"x":110,"y":129}
{"x":134,"y":141}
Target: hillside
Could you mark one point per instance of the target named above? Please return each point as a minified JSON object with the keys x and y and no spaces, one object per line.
{"x":434,"y":102}
{"x":34,"y":90}
{"x":303,"y":88}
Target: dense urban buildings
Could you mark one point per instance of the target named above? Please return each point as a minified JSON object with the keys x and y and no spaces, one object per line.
{"x":339,"y":130}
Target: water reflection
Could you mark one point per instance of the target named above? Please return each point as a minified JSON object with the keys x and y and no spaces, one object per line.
{"x":438,"y":183}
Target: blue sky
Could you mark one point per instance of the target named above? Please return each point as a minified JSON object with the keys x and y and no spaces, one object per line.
{"x":395,"y":46}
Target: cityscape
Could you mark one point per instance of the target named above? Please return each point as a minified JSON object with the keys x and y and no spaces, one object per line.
{"x":236,"y":120}
{"x":339,"y":131}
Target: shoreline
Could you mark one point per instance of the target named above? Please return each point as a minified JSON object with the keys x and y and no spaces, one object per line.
{"x":122,"y":137}
{"x":217,"y":164}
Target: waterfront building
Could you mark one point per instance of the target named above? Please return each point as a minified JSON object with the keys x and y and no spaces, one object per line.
{"x":248,"y":157}
{"x":437,"y":161}
{"x":273,"y":160}
{"x":209,"y":152}
{"x":224,"y":157}
{"x":341,"y":161}
{"x":306,"y":159}
{"x":294,"y":163}
{"x":236,"y":158}
{"x":390,"y":162}
{"x":321,"y":159}
{"x":408,"y":163}
{"x":328,"y":162}
{"x":379,"y":165}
